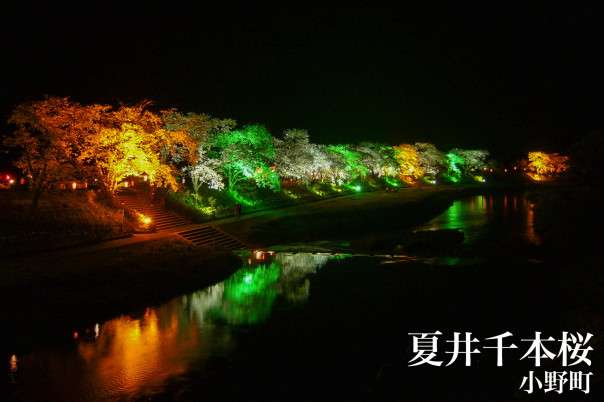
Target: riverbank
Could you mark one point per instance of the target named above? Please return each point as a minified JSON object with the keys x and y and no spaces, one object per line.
{"x":55,"y":293}
{"x":69,"y":289}
{"x":368,"y":221}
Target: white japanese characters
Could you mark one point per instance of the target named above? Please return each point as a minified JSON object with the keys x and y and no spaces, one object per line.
{"x":570,"y":350}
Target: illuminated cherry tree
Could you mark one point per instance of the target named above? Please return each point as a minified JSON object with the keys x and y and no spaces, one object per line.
{"x":372,"y":157}
{"x":321,"y":163}
{"x":430,"y":158}
{"x":48,"y":134}
{"x":541,"y":164}
{"x":131,"y":143}
{"x":245,"y":154}
{"x":293,"y":157}
{"x":187,"y":132}
{"x":345,"y":164}
{"x":206,"y":170}
{"x":408,"y":160}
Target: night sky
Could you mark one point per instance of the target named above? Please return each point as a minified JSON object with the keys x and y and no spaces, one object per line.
{"x":506,"y":79}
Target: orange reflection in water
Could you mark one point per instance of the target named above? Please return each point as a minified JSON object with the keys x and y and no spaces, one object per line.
{"x":530,"y":229}
{"x":130,"y":355}
{"x":124,"y":358}
{"x":130,"y":352}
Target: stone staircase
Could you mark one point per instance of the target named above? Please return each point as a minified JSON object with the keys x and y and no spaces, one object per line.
{"x":211,"y":236}
{"x":162,"y":218}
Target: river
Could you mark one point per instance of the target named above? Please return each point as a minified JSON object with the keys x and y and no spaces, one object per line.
{"x":304,"y":325}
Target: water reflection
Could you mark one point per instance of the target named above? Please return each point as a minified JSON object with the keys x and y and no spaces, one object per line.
{"x":135,"y":356}
{"x":132,"y":356}
{"x":481,"y":217}
{"x":247,"y":297}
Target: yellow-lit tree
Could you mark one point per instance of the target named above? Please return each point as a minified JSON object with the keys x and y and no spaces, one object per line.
{"x":133,"y":142}
{"x":542,"y":165}
{"x":408,"y":160}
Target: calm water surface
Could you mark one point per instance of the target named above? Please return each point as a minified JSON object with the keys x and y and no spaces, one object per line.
{"x":289,"y":325}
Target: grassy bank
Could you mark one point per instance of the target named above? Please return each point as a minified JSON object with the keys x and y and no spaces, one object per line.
{"x":66,"y":290}
{"x":61,"y":219}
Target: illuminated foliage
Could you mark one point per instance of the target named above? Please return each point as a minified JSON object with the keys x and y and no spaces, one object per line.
{"x":131,"y":143}
{"x":430,"y":158}
{"x":48,"y":134}
{"x":245,"y":154}
{"x":472,"y":159}
{"x":376,"y":157}
{"x":188,"y":132}
{"x":408,"y":160}
{"x":461,"y":162}
{"x":206,"y":170}
{"x":321,"y":163}
{"x":540,"y":164}
{"x":454,"y":165}
{"x":293,"y":157}
{"x":345,"y":163}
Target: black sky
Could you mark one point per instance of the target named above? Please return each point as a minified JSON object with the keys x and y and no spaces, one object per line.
{"x":506,"y":79}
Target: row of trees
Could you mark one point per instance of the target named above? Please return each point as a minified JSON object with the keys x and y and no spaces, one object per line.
{"x":62,"y":140}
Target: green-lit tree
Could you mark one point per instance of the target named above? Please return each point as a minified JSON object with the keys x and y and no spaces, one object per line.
{"x":245,"y":154}
{"x":346,"y":162}
{"x":371,"y":157}
{"x":472,"y":159}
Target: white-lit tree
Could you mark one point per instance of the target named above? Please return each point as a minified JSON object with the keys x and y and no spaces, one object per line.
{"x":293,"y":157}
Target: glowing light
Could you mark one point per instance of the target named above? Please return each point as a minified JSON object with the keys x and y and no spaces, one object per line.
{"x":7,"y":177}
{"x":13,"y":363}
{"x":75,"y":335}
{"x":147,"y":220}
{"x":145,"y":178}
{"x":126,"y":184}
{"x":11,"y":181}
{"x":358,"y":188}
{"x":74,"y":185}
{"x":248,"y":278}
{"x":96,"y":330}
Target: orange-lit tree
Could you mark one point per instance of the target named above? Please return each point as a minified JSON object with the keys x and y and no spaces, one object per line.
{"x":408,"y":160}
{"x":542,"y":165}
{"x":49,"y":133}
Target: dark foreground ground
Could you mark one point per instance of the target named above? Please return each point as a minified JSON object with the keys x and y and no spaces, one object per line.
{"x":58,"y":292}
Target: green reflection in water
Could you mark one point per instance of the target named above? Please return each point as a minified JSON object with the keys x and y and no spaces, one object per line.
{"x":339,"y":257}
{"x":249,"y":294}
